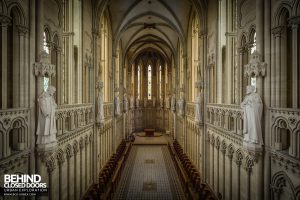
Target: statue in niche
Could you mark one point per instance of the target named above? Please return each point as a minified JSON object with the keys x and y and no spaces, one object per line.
{"x":199,"y":108}
{"x":137,"y":102}
{"x":161,"y":102}
{"x":153,"y":101}
{"x":145,"y":102}
{"x":181,"y":106}
{"x":252,"y":109}
{"x":46,"y":130}
{"x":132,"y":102}
{"x":167,"y":102}
{"x":125,"y":103}
{"x":100,"y":109}
{"x":117,"y":106}
{"x":173,"y":103}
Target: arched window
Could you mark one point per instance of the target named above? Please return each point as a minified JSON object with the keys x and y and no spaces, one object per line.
{"x":149,"y":82}
{"x":104,"y":71}
{"x":139,"y":83}
{"x":252,"y":49}
{"x":160,"y":82}
{"x":46,"y":49}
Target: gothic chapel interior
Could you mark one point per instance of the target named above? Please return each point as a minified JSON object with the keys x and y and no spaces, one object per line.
{"x":152,"y":99}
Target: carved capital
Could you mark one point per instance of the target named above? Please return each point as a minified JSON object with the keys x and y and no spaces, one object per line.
{"x":255,"y":67}
{"x":277,"y":31}
{"x":22,"y":30}
{"x":44,"y":67}
{"x":5,"y":20}
{"x":50,"y":164}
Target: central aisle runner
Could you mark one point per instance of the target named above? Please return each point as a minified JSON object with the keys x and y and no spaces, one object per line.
{"x":149,"y":174}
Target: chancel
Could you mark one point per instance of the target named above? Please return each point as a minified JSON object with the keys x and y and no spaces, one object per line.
{"x":151,"y":99}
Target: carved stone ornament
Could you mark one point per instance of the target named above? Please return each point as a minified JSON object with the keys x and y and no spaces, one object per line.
{"x":44,"y":67}
{"x":255,"y":67}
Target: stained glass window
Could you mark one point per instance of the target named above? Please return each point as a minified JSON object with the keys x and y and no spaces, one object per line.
{"x":149,"y":82}
{"x":139,"y":82}
{"x":46,"y":83}
{"x":160,"y":83}
{"x":46,"y":48}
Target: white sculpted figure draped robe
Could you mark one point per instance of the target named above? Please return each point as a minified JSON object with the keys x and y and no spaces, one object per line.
{"x":100,"y":113}
{"x":117,"y":106}
{"x":125,"y":102}
{"x":132,"y":102}
{"x":161,"y":102}
{"x":46,"y":130}
{"x":199,"y":108}
{"x":168,"y":102}
{"x":181,"y":106}
{"x":252,"y":107}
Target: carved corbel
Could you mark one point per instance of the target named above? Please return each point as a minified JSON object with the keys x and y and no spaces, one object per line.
{"x":44,"y":67}
{"x":255,"y":67}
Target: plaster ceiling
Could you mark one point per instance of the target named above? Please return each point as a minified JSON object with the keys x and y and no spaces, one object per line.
{"x":149,"y":25}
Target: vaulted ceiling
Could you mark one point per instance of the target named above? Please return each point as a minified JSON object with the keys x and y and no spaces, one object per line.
{"x":149,"y":25}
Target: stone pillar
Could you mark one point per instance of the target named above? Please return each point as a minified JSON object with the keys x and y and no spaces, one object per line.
{"x":5,"y":20}
{"x":277,"y":37}
{"x":295,"y":62}
{"x":39,"y":40}
{"x":22,"y":48}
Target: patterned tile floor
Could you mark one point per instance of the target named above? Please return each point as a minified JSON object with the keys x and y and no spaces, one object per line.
{"x":149,"y":174}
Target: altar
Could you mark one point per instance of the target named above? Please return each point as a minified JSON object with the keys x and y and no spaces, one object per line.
{"x":149,"y":132}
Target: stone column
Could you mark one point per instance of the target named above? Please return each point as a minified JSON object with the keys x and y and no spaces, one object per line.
{"x":295,"y":55}
{"x":22,"y":48}
{"x":277,"y":37}
{"x":39,"y":40}
{"x":5,"y":20}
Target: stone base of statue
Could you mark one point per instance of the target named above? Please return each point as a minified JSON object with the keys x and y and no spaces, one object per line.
{"x":48,"y":146}
{"x":46,"y":142}
{"x":252,"y":146}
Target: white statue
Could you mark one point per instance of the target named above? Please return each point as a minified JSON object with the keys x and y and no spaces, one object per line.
{"x":252,"y":108}
{"x":100,"y":112}
{"x":167,"y":102}
{"x":153,"y":101}
{"x":145,"y":102}
{"x":137,"y":102}
{"x":125,"y":103}
{"x":173,"y":103}
{"x":181,"y":106}
{"x":132,"y":102}
{"x":117,"y":106}
{"x":161,"y":102}
{"x":46,"y":130}
{"x":199,"y":108}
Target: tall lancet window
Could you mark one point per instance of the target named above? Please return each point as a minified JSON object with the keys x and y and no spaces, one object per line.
{"x":46,"y":49}
{"x":160,"y":83}
{"x":149,"y":82}
{"x":139,"y":82}
{"x":253,"y":48}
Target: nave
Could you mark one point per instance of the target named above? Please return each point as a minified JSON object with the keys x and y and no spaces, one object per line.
{"x":152,"y":167}
{"x":221,"y":78}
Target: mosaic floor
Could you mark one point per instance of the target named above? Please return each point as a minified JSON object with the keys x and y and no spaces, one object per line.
{"x":149,"y":174}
